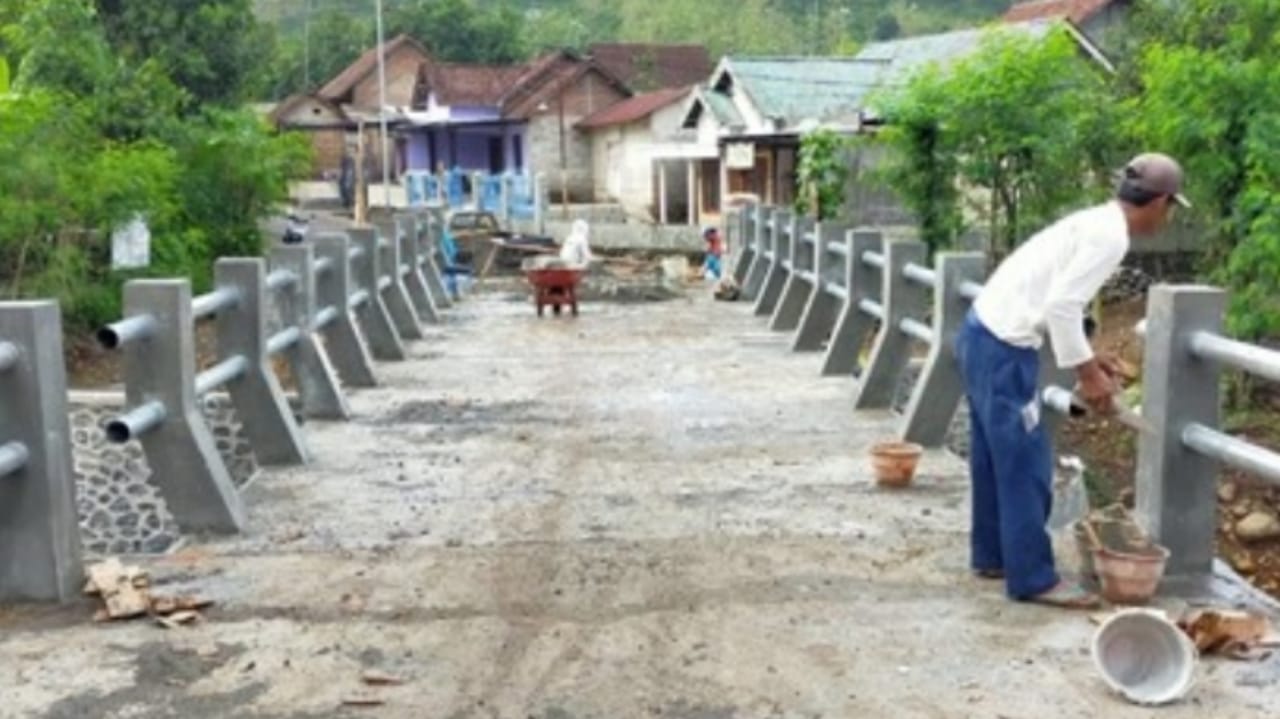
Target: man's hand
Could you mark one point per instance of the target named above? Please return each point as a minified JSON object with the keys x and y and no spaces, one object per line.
{"x":1116,"y":368}
{"x":1097,"y":387}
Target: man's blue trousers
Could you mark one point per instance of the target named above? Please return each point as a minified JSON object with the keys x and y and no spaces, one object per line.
{"x":1010,"y":461}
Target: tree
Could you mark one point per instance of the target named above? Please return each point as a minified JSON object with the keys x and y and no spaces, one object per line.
{"x":306,"y":61}
{"x":215,"y":50}
{"x":461,"y":30}
{"x":886,"y":27}
{"x":1024,"y":120}
{"x":1208,"y":92}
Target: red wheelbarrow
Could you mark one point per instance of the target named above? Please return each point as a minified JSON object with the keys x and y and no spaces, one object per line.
{"x":554,"y":286}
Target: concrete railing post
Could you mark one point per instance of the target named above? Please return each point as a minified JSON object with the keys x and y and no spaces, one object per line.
{"x":745,"y":244}
{"x":823,"y":308}
{"x":318,"y":385}
{"x":766,"y":231}
{"x":394,"y":292}
{"x":800,"y":277}
{"x":411,"y":269}
{"x":431,"y":258}
{"x":861,"y":282}
{"x":257,"y":396}
{"x":784,"y":226}
{"x":903,"y":299}
{"x":160,"y":372}
{"x":375,"y":319}
{"x":343,"y":339}
{"x":40,"y":551}
{"x":1176,"y":497}
{"x":937,"y":394}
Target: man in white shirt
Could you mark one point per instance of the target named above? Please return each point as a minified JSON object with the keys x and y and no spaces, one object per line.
{"x":1042,"y":288}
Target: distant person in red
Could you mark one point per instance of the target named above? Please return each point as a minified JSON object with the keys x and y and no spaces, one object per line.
{"x":715,"y":250}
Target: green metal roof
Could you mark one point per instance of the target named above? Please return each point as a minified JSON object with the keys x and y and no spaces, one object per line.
{"x":804,"y":88}
{"x":722,"y":107}
{"x":901,"y":58}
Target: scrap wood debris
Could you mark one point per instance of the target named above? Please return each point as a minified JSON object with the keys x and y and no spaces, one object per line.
{"x":1232,"y":633}
{"x":126,"y":594}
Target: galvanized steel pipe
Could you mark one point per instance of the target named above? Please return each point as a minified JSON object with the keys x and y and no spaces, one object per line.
{"x":873,"y":259}
{"x":130,"y":329}
{"x":214,"y":302}
{"x":325,"y":317}
{"x":13,"y":457}
{"x":873,"y":308}
{"x":283,"y":340}
{"x":280,"y":279}
{"x":919,"y":275}
{"x":1232,"y":451}
{"x":917,"y":329}
{"x":227,"y":370}
{"x":8,"y":355}
{"x":136,"y":422}
{"x":1253,"y":359}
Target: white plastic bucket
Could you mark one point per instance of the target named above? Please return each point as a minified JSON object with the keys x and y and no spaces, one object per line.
{"x":1145,"y":657}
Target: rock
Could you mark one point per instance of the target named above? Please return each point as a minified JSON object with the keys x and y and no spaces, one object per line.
{"x":1258,"y":527}
{"x":1241,"y":508}
{"x":1243,"y":563}
{"x":1227,"y":492}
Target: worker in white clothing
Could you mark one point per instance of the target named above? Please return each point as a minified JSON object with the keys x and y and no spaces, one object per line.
{"x":1043,"y":289}
{"x":576,"y":250}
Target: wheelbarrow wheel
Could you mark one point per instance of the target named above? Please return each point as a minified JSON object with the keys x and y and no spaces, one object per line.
{"x":540,"y":311}
{"x":556,"y":308}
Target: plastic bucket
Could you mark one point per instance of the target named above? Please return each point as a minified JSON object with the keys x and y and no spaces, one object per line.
{"x":1145,"y":657}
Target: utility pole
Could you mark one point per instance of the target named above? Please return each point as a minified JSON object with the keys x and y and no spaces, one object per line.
{"x":306,"y":46}
{"x":382,"y":110}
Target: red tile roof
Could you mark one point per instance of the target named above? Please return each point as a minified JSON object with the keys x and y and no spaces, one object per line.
{"x":635,"y":108}
{"x":1077,"y":11}
{"x":469,"y":84}
{"x":344,"y":82}
{"x":646,"y":66}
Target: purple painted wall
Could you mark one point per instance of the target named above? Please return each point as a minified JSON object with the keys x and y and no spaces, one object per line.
{"x":473,"y":113}
{"x":471,"y":147}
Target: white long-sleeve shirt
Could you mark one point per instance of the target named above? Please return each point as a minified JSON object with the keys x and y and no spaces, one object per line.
{"x":1044,"y":286}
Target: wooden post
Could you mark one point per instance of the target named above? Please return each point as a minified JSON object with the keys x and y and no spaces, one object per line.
{"x":692,"y":179}
{"x":362,"y":199}
{"x":662,"y":192}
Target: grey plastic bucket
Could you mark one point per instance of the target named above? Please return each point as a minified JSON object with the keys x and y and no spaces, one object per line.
{"x":1145,"y":657}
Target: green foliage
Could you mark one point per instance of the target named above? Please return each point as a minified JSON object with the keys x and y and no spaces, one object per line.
{"x":331,"y":41}
{"x":215,"y":50}
{"x":822,"y":173}
{"x":461,"y":30}
{"x":1209,"y":80}
{"x":92,"y":137}
{"x":1020,"y":125}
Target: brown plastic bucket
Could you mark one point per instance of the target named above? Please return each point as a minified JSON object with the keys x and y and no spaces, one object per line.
{"x":1130,"y":577}
{"x":894,"y":463}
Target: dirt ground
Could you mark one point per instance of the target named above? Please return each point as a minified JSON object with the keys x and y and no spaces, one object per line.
{"x":1110,"y":451}
{"x":655,"y":510}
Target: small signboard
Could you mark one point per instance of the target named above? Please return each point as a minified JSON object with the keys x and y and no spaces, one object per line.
{"x":131,"y":245}
{"x":740,"y":155}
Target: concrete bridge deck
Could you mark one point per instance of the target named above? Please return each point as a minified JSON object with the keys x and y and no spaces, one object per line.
{"x":652,"y":511}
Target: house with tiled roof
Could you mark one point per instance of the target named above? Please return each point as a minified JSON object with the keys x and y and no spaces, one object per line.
{"x":518,"y":119}
{"x":646,"y":67}
{"x":1103,"y":21}
{"x":741,"y":130}
{"x":625,"y":139}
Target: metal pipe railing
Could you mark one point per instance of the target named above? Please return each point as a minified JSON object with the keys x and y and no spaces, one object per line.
{"x":325,"y":317}
{"x":13,"y":457}
{"x":873,"y":259}
{"x":228,"y":370}
{"x":130,"y":329}
{"x":920,"y":275}
{"x":917,"y":330}
{"x":211,"y":303}
{"x":8,"y":356}
{"x":872,"y":308}
{"x":136,"y":422}
{"x":323,"y":265}
{"x":280,"y":279}
{"x":1257,"y":361}
{"x":1233,"y":451}
{"x":970,"y":290}
{"x":357,"y":298}
{"x":283,"y":340}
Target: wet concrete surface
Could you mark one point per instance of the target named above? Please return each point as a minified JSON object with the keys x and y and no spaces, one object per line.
{"x":649,"y":511}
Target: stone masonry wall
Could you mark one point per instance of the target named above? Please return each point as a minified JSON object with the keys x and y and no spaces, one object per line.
{"x":121,"y":510}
